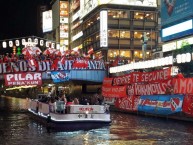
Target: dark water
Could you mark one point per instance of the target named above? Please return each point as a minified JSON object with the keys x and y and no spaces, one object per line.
{"x":17,"y":128}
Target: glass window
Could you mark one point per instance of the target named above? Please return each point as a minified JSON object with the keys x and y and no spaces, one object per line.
{"x":151,"y":35}
{"x":138,"y":34}
{"x":137,"y":54}
{"x":124,"y":34}
{"x":113,"y":33}
{"x":139,"y":15}
{"x":117,"y":14}
{"x":149,"y":16}
{"x":113,"y":53}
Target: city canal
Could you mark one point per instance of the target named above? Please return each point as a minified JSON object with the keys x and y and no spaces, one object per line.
{"x":17,"y":128}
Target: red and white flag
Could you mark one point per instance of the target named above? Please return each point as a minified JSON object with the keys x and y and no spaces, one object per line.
{"x":90,"y":51}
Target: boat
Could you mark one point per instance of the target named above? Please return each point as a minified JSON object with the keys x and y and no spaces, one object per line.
{"x":59,"y":115}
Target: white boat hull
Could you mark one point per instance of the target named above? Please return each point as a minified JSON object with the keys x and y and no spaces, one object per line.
{"x":69,"y":114}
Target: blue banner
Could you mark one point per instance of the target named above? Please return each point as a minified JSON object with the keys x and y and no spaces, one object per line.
{"x":175,"y":10}
{"x":161,"y":104}
{"x":60,"y":76}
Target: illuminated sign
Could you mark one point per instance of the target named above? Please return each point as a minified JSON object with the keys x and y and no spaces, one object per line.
{"x":180,"y":43}
{"x":103,"y":29}
{"x":47,"y":21}
{"x":176,"y":31}
{"x":177,"y":28}
{"x":169,"y":46}
{"x":174,"y":10}
{"x":177,"y":44}
{"x":23,"y":79}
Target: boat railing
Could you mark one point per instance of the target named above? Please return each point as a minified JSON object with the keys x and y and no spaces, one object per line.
{"x":61,"y":108}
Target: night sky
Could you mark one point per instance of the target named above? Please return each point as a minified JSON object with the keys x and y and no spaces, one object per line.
{"x":19,"y":18}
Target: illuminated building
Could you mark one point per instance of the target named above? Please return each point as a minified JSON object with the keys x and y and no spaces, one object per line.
{"x":114,"y":28}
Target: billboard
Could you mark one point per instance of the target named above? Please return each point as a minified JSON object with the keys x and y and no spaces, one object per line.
{"x":47,"y":21}
{"x":103,"y":29}
{"x":174,"y":10}
{"x":178,"y":30}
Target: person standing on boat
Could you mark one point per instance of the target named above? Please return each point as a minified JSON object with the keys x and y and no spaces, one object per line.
{"x":98,"y":97}
{"x":76,"y":101}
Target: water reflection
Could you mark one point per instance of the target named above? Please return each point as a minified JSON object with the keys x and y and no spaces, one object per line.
{"x":17,"y":128}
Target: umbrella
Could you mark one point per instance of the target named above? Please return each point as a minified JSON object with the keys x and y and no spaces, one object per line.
{"x":49,"y":51}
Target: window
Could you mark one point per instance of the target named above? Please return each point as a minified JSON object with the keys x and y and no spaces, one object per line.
{"x":118,"y":14}
{"x":139,"y":15}
{"x":124,"y":34}
{"x":115,"y":34}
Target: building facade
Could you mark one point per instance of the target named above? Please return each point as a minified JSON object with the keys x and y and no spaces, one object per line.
{"x":111,"y":28}
{"x":115,"y":30}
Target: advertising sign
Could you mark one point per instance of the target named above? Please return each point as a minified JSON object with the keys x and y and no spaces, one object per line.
{"x":47,"y":21}
{"x":103,"y":29}
{"x":174,"y":10}
{"x":178,"y":30}
{"x":22,"y":79}
{"x":161,"y":104}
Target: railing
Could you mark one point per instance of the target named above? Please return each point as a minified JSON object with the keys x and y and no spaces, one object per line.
{"x":61,"y":108}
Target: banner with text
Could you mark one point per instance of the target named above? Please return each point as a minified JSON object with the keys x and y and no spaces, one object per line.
{"x":139,"y":77}
{"x":107,"y":81}
{"x":114,"y":91}
{"x":183,"y":85}
{"x":22,"y":79}
{"x":148,"y":89}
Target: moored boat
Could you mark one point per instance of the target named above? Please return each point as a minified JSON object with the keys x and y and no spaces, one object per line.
{"x":60,"y":115}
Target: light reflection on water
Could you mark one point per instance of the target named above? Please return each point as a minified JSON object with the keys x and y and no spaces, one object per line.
{"x":16,"y":128}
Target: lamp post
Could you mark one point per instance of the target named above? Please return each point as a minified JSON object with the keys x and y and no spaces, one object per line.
{"x":144,"y":40}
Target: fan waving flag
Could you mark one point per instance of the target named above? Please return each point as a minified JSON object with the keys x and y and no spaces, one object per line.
{"x":49,"y":51}
{"x":28,"y":52}
{"x":90,"y":51}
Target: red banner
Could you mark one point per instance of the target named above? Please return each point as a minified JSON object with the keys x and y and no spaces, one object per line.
{"x":107,"y":81}
{"x":139,"y":77}
{"x":183,"y":85}
{"x":148,"y":89}
{"x":127,"y":103}
{"x":188,"y":105}
{"x":22,"y":79}
{"x":114,"y":91}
